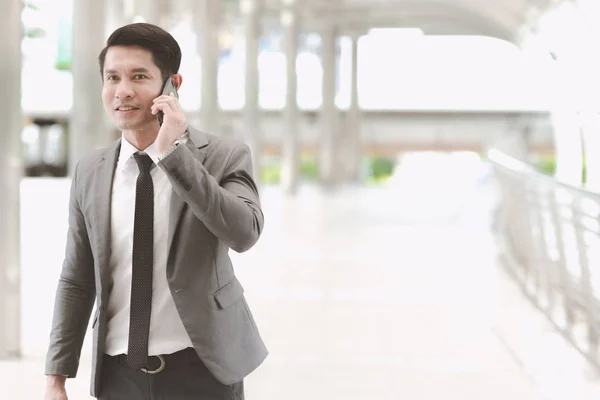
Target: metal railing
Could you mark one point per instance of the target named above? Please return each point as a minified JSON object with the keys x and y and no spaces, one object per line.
{"x":549,"y":233}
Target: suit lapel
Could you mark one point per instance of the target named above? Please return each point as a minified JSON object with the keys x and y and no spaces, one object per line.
{"x":103,"y":183}
{"x":197,"y":142}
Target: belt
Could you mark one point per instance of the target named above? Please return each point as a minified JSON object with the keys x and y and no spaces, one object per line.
{"x":157,"y":364}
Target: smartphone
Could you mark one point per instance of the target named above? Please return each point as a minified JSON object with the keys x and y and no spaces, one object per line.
{"x":168,"y":88}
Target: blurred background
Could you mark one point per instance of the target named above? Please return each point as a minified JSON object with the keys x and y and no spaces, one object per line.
{"x":429,"y":172}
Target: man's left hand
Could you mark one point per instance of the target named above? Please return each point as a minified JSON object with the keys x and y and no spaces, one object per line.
{"x":174,"y":121}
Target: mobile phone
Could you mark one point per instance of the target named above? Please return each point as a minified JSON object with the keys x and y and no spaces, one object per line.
{"x":168,"y":88}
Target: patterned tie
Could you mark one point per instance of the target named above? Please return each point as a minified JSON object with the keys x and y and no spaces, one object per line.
{"x":141,"y":278}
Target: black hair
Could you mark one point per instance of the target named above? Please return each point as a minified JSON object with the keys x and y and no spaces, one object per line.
{"x":165,"y":50}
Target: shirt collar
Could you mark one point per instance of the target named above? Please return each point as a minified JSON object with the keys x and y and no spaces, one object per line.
{"x":128,"y":150}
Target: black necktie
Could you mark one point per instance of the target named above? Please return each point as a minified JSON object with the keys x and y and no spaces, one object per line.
{"x":141,"y":277}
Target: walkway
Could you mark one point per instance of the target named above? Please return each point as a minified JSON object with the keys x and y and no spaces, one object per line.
{"x":361,"y":294}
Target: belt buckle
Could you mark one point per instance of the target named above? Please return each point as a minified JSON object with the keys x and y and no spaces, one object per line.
{"x":157,"y":370}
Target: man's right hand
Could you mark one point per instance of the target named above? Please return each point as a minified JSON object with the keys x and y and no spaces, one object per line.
{"x":55,"y":388}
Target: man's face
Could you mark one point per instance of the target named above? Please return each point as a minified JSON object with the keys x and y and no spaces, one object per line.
{"x":131,"y":81}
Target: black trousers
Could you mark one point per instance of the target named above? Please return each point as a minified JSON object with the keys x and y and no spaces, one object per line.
{"x":184,"y":377}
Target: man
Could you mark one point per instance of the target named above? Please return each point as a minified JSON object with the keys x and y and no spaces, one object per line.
{"x":151,"y":220}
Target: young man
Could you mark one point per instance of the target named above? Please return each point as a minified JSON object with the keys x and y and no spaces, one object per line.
{"x":151,"y":220}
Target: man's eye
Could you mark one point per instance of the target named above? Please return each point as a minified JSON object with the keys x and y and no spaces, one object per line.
{"x":139,"y":76}
{"x":111,"y":78}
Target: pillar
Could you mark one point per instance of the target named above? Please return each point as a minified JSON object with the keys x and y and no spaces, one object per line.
{"x":88,"y":127}
{"x":290,"y":165}
{"x":150,"y":10}
{"x":327,"y":156}
{"x":352,"y":132}
{"x":10,"y":176}
{"x":115,"y":16}
{"x":251,"y":13}
{"x":207,"y":25}
{"x":129,"y":10}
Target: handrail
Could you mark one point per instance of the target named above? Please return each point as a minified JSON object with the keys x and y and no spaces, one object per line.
{"x":517,"y":166}
{"x":549,"y":236}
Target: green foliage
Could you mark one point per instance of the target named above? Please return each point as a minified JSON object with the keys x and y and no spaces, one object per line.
{"x":31,"y":5}
{"x":309,"y":170}
{"x":63,"y":65}
{"x":380,"y":168}
{"x":547,"y":165}
{"x":270,"y":174}
{"x":34,"y":33}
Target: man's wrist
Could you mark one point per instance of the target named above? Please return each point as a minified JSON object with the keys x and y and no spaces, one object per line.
{"x":165,"y":153}
{"x":164,"y":150}
{"x":163,"y":147}
{"x":56,"y":381}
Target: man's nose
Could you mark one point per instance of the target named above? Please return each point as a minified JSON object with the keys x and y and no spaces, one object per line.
{"x":124,"y":89}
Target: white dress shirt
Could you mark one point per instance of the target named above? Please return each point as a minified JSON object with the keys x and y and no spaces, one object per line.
{"x":167,"y":333}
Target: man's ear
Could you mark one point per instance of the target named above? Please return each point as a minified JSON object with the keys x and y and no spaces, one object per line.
{"x":177,"y":80}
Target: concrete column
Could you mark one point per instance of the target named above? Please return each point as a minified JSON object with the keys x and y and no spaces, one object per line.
{"x":172,"y":14}
{"x":251,"y":11}
{"x":290,"y":165}
{"x":327,"y":156}
{"x":115,"y":16}
{"x":118,"y":13}
{"x":353,"y":122}
{"x":207,"y":23}
{"x":150,"y":10}
{"x":88,"y":128}
{"x":354,"y":83}
{"x":129,"y":11}
{"x":10,"y":177}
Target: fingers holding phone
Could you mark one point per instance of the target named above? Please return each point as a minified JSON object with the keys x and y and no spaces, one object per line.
{"x":169,"y":89}
{"x":162,"y":105}
{"x":170,"y":115}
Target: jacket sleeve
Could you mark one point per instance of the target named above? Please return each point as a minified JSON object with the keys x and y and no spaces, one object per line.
{"x":74,"y":296}
{"x":229,"y":208}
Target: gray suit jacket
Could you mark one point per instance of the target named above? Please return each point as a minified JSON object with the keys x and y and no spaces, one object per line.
{"x":214,"y":207}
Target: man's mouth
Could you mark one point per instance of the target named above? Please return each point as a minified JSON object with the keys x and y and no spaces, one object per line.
{"x":127,"y":108}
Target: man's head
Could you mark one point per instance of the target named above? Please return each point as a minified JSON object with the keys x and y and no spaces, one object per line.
{"x":137,"y":60}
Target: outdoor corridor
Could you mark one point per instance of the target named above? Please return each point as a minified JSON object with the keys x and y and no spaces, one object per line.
{"x":369,"y":293}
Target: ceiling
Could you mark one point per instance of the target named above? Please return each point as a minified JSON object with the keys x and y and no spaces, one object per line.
{"x":503,"y":19}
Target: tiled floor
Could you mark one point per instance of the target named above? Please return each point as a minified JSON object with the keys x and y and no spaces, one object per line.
{"x":361,"y":294}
